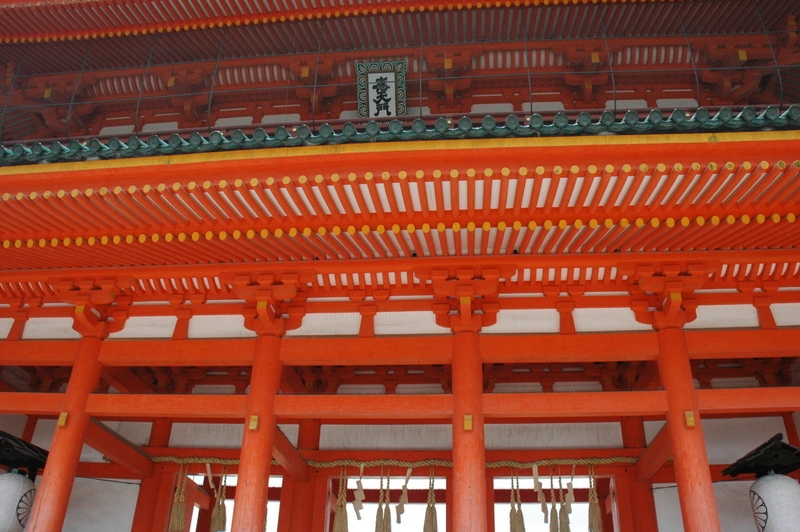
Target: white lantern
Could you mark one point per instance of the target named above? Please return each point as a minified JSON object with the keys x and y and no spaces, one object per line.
{"x":16,"y":500}
{"x":776,"y":503}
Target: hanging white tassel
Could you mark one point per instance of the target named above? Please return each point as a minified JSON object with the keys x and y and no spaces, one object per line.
{"x":595,"y":516}
{"x":431,"y":522}
{"x":401,"y":504}
{"x":537,"y":486}
{"x":359,"y":495}
{"x":340,"y":519}
{"x":570,"y":490}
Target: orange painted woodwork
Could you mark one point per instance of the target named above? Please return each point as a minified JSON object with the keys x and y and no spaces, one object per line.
{"x":695,"y":490}
{"x":50,"y":507}
{"x":469,"y":451}
{"x":150,"y":488}
{"x":105,"y":441}
{"x":250,"y":512}
{"x":656,"y":454}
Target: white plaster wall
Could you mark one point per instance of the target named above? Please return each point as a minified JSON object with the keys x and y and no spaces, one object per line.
{"x":101,"y":505}
{"x":13,"y":424}
{"x":726,"y":441}
{"x":733,"y":503}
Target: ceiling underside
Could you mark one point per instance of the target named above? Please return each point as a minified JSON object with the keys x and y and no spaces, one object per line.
{"x":494,"y":60}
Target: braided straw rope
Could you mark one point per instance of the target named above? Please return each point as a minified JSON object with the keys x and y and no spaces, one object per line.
{"x":413,"y":465}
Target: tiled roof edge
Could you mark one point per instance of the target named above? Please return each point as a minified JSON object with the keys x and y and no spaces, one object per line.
{"x":678,"y":121}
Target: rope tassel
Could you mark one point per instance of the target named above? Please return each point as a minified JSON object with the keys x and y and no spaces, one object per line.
{"x":340,"y":519}
{"x":431,"y":522}
{"x":517,"y":520}
{"x":553,"y":509}
{"x":595,"y":517}
{"x":177,"y":518}
{"x":219,"y":516}
{"x":563,"y":510}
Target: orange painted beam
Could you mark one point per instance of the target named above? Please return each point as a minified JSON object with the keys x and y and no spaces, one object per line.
{"x":126,"y":406}
{"x":119,"y":451}
{"x":125,"y":381}
{"x":38,"y":352}
{"x":288,"y":457}
{"x":203,"y":352}
{"x":731,"y":343}
{"x":656,"y":454}
{"x":531,"y":406}
{"x":359,"y":351}
{"x":32,"y":404}
{"x":749,"y":400}
{"x":742,"y":401}
{"x":584,"y":347}
{"x":438,"y":407}
{"x":350,"y":351}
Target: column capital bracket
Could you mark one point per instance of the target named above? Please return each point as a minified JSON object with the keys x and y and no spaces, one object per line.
{"x":99,"y":307}
{"x":673,"y":284}
{"x":467,"y":296}
{"x":270,"y":309}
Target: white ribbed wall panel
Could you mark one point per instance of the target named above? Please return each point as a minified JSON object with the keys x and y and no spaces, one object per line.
{"x":333,"y":324}
{"x":147,"y":327}
{"x":49,"y":328}
{"x":415,"y":389}
{"x":786,"y":314}
{"x":224,"y":326}
{"x":735,"y":382}
{"x":577,"y":387}
{"x":5,"y":327}
{"x":386,"y":437}
{"x":361,"y":389}
{"x":607,"y":320}
{"x":228,"y":436}
{"x":553,"y":436}
{"x":724,"y":317}
{"x":518,"y":387}
{"x":214,"y":389}
{"x":518,"y":321}
{"x":407,"y":323}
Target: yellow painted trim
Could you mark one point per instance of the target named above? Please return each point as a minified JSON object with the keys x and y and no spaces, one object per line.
{"x":608,"y":141}
{"x":293,"y":232}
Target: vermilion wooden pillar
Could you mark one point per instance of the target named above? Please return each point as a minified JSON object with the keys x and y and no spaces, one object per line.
{"x":298,"y":515}
{"x":144,"y":518}
{"x":641,"y":493}
{"x":622,"y":506}
{"x":692,"y":474}
{"x":52,"y":498}
{"x":321,"y":510}
{"x":250,"y":508}
{"x":469,"y":453}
